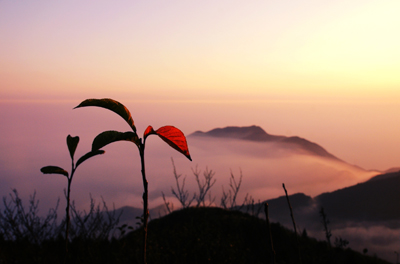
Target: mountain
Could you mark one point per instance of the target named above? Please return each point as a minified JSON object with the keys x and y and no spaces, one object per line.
{"x":375,"y":200}
{"x":366,"y":214}
{"x":215,"y":235}
{"x":130,"y":215}
{"x":256,"y":133}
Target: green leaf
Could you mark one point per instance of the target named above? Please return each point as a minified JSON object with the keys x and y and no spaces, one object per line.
{"x":89,"y":155}
{"x":54,"y":170}
{"x":72,"y":143}
{"x":112,"y":105}
{"x":173,"y":137}
{"x":111,"y":136}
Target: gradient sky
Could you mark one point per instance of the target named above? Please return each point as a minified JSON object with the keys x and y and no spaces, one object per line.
{"x":200,"y":50}
{"x":327,"y":71}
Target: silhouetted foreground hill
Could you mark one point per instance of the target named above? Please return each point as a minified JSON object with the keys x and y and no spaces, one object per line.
{"x":369,"y":204}
{"x":256,"y":133}
{"x":192,"y":235}
{"x":215,"y":235}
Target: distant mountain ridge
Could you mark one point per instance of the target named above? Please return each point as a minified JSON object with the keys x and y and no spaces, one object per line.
{"x":256,"y":133}
{"x":375,"y":200}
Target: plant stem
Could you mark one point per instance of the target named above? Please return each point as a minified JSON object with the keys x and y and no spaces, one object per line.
{"x":325,"y":222}
{"x":67,"y":208}
{"x":269,"y":233}
{"x":145,"y":201}
{"x":294,"y":223}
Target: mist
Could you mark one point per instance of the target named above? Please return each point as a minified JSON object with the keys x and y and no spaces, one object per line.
{"x":36,"y":137}
{"x":377,"y":238}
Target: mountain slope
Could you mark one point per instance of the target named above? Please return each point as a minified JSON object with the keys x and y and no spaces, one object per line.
{"x":256,"y":133}
{"x":130,"y":215}
{"x":375,"y":200}
{"x":365,"y":214}
{"x":215,"y":235}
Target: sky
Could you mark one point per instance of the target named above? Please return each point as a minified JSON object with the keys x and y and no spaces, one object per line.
{"x":208,"y":50}
{"x":326,"y":71}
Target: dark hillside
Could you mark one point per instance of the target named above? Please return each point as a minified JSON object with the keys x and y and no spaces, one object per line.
{"x":372,"y":201}
{"x":215,"y":235}
{"x":375,"y":200}
{"x":192,"y":235}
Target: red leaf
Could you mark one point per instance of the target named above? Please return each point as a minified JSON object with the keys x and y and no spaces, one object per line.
{"x":175,"y":138}
{"x":149,"y":131}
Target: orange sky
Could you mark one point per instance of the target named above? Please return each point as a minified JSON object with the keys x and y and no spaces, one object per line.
{"x":209,"y":50}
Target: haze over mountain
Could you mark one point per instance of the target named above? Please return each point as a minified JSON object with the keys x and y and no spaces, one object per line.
{"x":297,"y":147}
{"x":265,"y":161}
{"x":302,"y":164}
